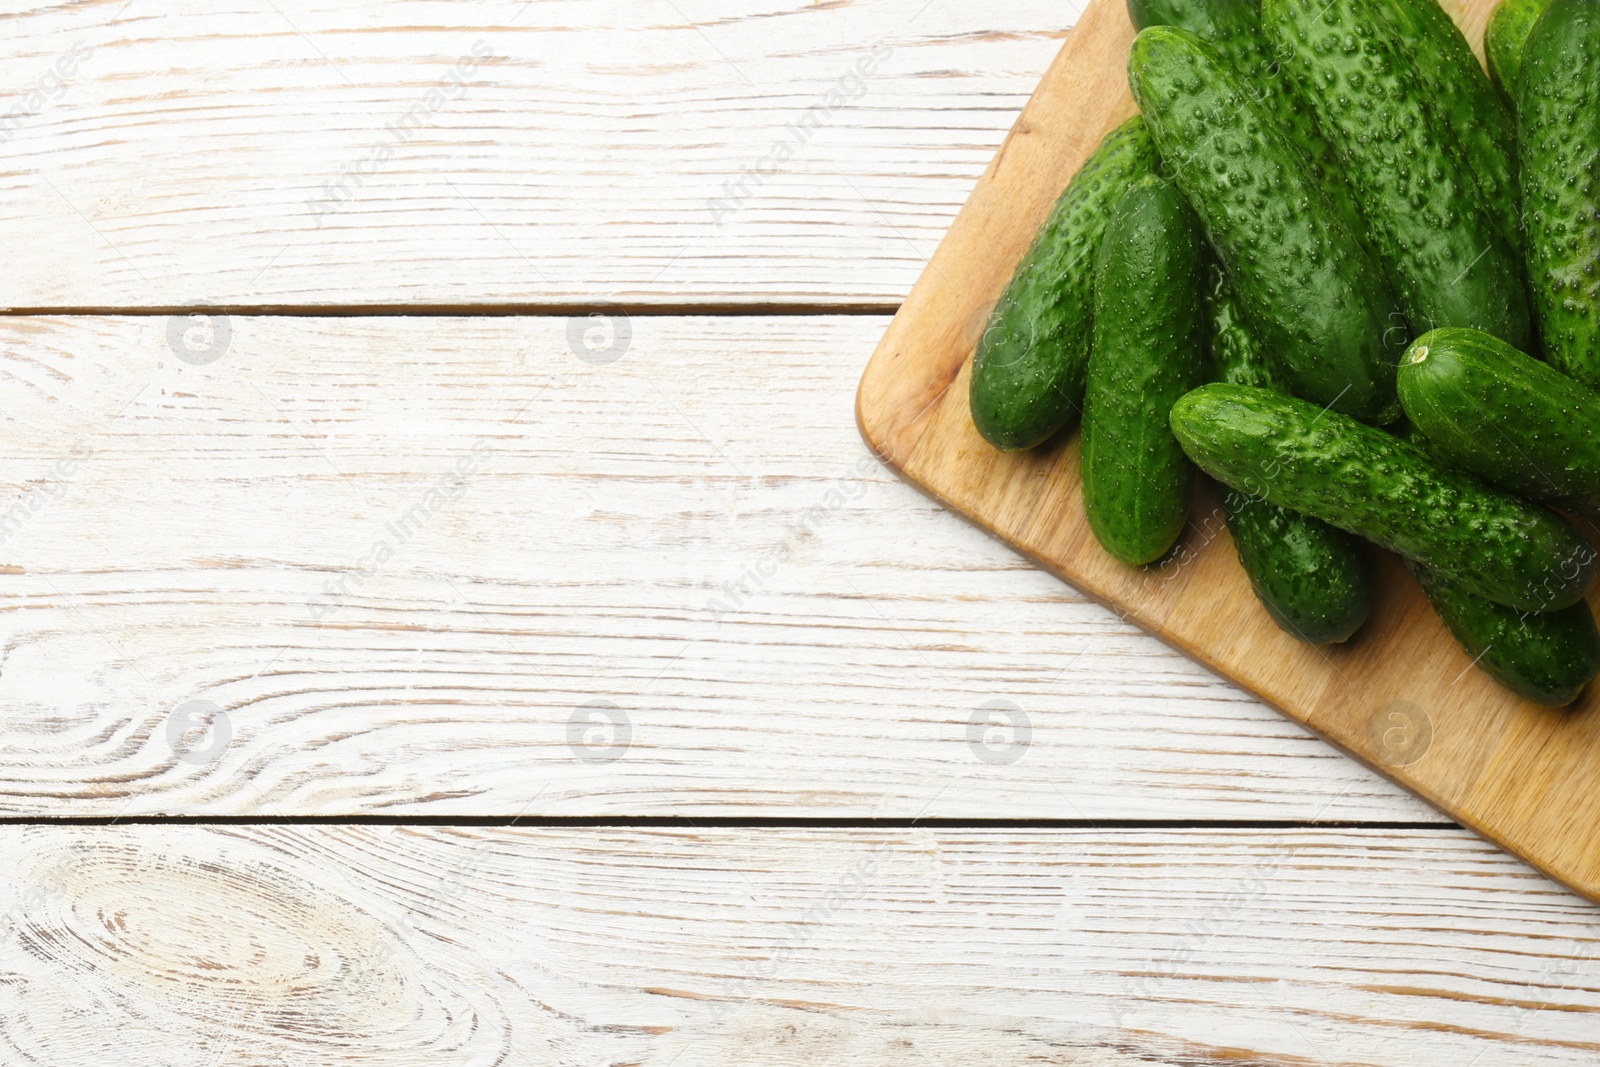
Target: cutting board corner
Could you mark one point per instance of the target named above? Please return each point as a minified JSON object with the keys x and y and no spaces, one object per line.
{"x":1403,"y":699}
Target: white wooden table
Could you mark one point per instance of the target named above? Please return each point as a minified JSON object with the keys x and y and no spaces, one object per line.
{"x":447,"y":614}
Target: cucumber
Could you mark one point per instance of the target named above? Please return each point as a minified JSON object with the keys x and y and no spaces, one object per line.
{"x":1476,"y":118}
{"x":1314,"y":298}
{"x":1504,"y":39}
{"x":1313,"y":579}
{"x":1504,"y":416}
{"x":1450,"y":264}
{"x":1362,"y":480}
{"x":1233,"y":28}
{"x":1544,"y":657}
{"x":1027,"y":376}
{"x":1149,"y":349}
{"x":1547,"y":658}
{"x":1236,"y":353}
{"x":1558,"y":135}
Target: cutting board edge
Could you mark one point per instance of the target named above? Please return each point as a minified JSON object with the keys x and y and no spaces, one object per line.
{"x":1588,"y":891}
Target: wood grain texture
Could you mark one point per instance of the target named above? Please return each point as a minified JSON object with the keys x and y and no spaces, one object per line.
{"x":1398,"y":696}
{"x":411,"y":152}
{"x":692,"y":532}
{"x":164,"y":946}
{"x":240,"y":580}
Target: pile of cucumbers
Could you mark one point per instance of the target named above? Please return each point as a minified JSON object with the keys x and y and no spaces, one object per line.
{"x":1343,"y":271}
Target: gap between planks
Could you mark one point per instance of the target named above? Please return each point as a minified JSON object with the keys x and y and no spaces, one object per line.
{"x":726,"y":822}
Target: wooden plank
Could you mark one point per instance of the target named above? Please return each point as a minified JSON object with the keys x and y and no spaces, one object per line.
{"x":387,"y":152}
{"x":692,"y":532}
{"x":170,"y":946}
{"x":1397,"y":696}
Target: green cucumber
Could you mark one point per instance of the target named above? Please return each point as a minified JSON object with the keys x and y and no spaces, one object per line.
{"x":1547,"y":658}
{"x":1503,"y":41}
{"x":1504,"y":416}
{"x":1233,"y":28}
{"x":1449,"y":262}
{"x":1149,"y":349}
{"x":1558,"y":134}
{"x":1477,"y":119}
{"x":1313,"y":579}
{"x":1237,"y":355}
{"x":1365,"y":481}
{"x":1315,"y":299}
{"x":1027,"y":376}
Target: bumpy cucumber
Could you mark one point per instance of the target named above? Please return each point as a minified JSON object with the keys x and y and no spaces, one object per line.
{"x":1149,"y":349}
{"x":1478,"y":121}
{"x":1449,"y":262}
{"x":1360,"y":479}
{"x":1313,"y":296}
{"x":1505,"y":416}
{"x":1233,"y":28}
{"x":1027,"y":377}
{"x":1558,"y":134}
{"x":1504,"y":39}
{"x":1313,"y":579}
{"x":1547,"y":658}
{"x":1236,"y":353}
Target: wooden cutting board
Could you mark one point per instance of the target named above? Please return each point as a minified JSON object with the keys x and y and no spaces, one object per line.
{"x":1401,"y":697}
